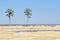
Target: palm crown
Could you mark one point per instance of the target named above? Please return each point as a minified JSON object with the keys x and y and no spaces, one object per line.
{"x":28,"y":12}
{"x":9,"y":12}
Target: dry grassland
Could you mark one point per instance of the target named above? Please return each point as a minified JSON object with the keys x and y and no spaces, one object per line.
{"x":8,"y":33}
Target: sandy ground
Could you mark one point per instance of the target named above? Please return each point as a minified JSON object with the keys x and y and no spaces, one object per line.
{"x":8,"y":33}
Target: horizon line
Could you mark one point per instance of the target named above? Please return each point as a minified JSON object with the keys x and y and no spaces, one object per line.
{"x":29,"y":24}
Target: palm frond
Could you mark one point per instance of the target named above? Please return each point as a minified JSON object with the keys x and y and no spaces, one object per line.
{"x":7,"y":15}
{"x":10,"y":12}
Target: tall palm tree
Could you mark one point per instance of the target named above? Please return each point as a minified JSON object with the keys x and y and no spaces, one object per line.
{"x":28,"y":13}
{"x":10,"y":13}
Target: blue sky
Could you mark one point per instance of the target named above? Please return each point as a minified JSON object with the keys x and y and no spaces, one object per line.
{"x":43,"y":11}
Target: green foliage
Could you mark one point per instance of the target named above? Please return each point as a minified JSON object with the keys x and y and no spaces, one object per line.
{"x":28,"y":12}
{"x":9,"y":12}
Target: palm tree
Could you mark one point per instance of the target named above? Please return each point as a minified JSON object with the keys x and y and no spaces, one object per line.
{"x":10,"y":13}
{"x":28,"y":13}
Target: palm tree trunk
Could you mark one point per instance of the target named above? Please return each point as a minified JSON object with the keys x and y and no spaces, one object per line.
{"x":9,"y":20}
{"x":27,"y":19}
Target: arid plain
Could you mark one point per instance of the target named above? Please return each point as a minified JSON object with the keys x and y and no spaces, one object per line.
{"x":40,"y":32}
